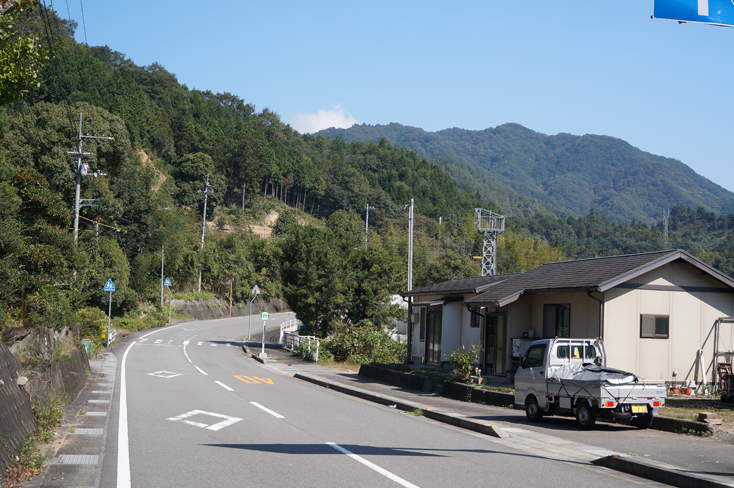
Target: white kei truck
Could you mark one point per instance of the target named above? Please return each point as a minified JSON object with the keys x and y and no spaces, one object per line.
{"x":569,"y":377}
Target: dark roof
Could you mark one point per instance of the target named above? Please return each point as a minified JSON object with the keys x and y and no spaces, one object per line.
{"x":597,"y":274}
{"x":475,"y":284}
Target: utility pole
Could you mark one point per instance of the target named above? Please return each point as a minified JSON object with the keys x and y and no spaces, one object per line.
{"x":81,"y":170}
{"x":409,"y":359}
{"x":366,"y":223}
{"x":206,"y":192}
{"x":163,"y":254}
{"x":666,"y":216}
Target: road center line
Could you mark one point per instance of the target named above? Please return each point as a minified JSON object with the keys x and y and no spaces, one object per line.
{"x":373,"y":466}
{"x":223,"y":385}
{"x":274,"y":414}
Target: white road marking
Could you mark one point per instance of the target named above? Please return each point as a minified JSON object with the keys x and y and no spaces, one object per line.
{"x":192,"y":363}
{"x":185,"y":343}
{"x":164,"y":374}
{"x":223,"y":385}
{"x":199,"y":343}
{"x":142,"y":340}
{"x":373,"y":466}
{"x":228,"y":344}
{"x":171,"y":341}
{"x":158,"y":341}
{"x":123,"y":445}
{"x":218,"y":426}
{"x":274,"y":414}
{"x":213,"y":345}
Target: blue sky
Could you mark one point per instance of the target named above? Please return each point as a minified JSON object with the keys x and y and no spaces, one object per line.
{"x":572,"y":66}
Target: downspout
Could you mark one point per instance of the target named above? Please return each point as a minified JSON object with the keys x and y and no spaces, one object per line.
{"x":409,"y":358}
{"x":601,"y":312}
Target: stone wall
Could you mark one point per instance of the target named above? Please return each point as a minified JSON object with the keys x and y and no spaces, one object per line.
{"x":65,"y":377}
{"x":16,"y":414}
{"x":217,"y":309}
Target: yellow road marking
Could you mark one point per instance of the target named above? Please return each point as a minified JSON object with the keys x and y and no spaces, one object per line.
{"x":254,"y":380}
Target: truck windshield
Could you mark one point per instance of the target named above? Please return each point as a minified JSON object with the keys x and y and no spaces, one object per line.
{"x":535,"y":356}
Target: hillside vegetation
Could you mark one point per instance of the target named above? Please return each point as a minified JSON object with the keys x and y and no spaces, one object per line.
{"x":571,"y":174}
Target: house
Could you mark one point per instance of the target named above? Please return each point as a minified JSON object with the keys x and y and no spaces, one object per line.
{"x":654,"y":311}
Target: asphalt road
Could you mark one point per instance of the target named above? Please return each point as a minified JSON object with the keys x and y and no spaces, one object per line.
{"x":191,"y":409}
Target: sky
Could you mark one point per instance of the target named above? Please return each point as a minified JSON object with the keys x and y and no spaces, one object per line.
{"x":578,"y":67}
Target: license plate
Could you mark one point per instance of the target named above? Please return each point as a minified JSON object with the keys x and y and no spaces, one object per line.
{"x":639,"y":408}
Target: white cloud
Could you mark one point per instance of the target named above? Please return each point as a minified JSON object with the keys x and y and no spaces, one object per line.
{"x":323,"y":119}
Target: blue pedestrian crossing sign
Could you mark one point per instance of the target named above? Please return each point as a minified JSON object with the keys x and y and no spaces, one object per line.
{"x":167,"y":282}
{"x":109,"y":286}
{"x":717,"y":12}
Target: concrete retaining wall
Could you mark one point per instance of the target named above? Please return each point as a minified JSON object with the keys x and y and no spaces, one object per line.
{"x":399,"y":378}
{"x":217,"y":309}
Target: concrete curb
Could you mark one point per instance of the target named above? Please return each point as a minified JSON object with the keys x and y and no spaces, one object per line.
{"x":660,"y":472}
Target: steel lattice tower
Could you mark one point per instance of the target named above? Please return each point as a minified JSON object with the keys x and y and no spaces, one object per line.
{"x":490,"y":225}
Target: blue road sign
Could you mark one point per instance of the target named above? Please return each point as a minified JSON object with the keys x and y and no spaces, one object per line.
{"x":109,"y":286}
{"x":719,"y":12}
{"x":167,"y":282}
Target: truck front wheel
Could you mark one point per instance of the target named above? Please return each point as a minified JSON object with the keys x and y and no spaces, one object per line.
{"x":532,"y":409}
{"x":584,"y":415}
{"x":643,"y":421}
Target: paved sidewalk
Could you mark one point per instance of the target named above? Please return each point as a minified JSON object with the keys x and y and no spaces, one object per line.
{"x":667,"y":457}
{"x":74,"y":459}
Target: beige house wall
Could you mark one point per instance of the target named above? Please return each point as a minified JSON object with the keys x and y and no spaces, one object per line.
{"x":691,"y":317}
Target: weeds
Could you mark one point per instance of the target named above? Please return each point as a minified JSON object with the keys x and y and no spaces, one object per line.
{"x":417,"y":412}
{"x":28,"y":462}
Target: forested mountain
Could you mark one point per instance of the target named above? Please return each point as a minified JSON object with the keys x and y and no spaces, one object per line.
{"x":144,"y":208}
{"x":573,"y":174}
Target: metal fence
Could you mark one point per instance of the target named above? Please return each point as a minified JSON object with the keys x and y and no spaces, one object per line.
{"x":309,"y":344}
{"x":293,"y":325}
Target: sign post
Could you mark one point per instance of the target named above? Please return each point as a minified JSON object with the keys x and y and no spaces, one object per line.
{"x":110,"y":287}
{"x":229,"y":282}
{"x":264,"y":316}
{"x":255,"y":293}
{"x":167,"y":284}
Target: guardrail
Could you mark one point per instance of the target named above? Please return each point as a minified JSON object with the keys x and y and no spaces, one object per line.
{"x":310,"y":343}
{"x":289,"y":326}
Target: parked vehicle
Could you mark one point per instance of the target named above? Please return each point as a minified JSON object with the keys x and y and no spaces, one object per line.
{"x":570,"y":377}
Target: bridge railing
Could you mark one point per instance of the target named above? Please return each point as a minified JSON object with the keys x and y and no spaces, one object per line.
{"x":309,"y":345}
{"x":293,"y":325}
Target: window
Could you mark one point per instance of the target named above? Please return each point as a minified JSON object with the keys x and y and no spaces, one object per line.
{"x":476,"y":317}
{"x":556,"y":320}
{"x":654,"y":326}
{"x":535,"y":356}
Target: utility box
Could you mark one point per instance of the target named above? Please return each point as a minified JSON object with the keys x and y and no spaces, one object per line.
{"x":88,"y":347}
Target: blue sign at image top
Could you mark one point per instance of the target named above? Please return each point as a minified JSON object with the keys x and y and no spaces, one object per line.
{"x":719,"y":12}
{"x":109,"y":286}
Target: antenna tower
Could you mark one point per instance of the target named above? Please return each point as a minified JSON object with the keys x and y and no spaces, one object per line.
{"x":490,"y":225}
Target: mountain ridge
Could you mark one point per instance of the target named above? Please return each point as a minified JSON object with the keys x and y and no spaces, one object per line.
{"x":572,"y":174}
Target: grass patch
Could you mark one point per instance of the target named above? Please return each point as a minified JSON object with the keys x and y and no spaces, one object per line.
{"x":691,"y":413}
{"x":503,"y":389}
{"x":417,"y":412}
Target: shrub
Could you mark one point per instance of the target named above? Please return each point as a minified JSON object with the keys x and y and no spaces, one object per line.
{"x":364,"y":343}
{"x":463,"y":362}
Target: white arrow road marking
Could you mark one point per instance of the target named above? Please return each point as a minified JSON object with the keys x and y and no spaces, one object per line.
{"x":218,"y":426}
{"x":223,"y":385}
{"x":274,"y":414}
{"x":373,"y":466}
{"x":164,"y":374}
